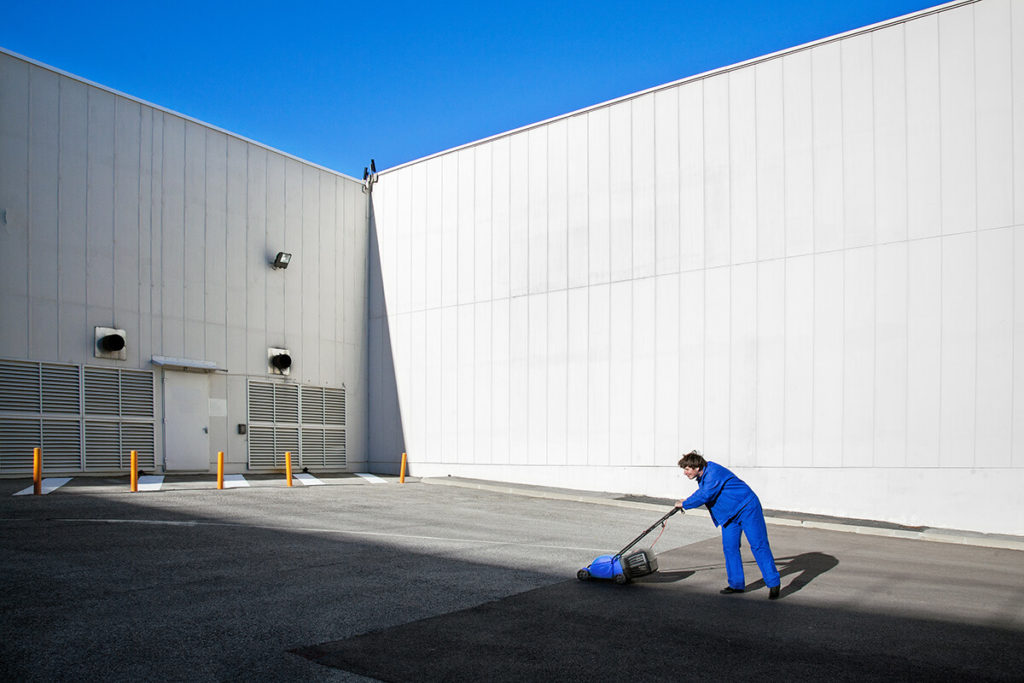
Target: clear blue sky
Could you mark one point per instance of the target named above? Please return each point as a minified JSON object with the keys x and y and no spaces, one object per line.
{"x":338,"y":83}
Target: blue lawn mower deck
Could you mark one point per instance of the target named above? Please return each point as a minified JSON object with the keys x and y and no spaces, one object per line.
{"x":623,"y":568}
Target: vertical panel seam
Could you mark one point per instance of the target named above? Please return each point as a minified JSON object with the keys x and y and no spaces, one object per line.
{"x":1013,"y":244}
{"x":977,"y":213}
{"x":60,"y":160}
{"x":906,"y":256}
{"x":757,"y":270}
{"x":86,"y":202}
{"x":28,"y":211}
{"x":113,"y":217}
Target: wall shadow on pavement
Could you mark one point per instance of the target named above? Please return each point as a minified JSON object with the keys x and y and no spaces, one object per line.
{"x":234,"y":585}
{"x":219,"y":585}
{"x":576,"y":631}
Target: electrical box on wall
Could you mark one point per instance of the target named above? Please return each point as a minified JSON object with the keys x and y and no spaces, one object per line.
{"x":279,"y":361}
{"x":110,"y":343}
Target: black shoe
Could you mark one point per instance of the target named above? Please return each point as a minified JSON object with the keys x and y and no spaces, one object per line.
{"x":729,"y":590}
{"x":773,"y":593}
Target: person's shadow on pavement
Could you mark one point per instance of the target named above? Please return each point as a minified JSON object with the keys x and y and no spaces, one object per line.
{"x":808,"y":566}
{"x":669,"y":577}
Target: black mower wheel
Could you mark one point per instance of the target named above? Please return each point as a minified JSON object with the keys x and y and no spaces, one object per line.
{"x":621,"y":579}
{"x":583,"y":575}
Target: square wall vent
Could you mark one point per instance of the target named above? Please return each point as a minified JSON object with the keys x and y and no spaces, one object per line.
{"x":279,"y":361}
{"x":110,"y":342}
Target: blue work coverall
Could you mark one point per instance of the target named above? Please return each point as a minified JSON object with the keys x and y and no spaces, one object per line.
{"x":735,"y":507}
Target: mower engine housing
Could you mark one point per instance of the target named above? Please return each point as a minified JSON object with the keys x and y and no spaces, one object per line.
{"x":640,"y":563}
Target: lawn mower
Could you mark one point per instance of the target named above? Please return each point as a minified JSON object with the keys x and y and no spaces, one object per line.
{"x":623,"y":568}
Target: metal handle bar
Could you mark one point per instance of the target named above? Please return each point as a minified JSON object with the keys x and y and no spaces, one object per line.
{"x":648,"y":530}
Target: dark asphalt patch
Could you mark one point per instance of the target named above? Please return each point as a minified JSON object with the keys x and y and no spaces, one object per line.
{"x":675,"y":626}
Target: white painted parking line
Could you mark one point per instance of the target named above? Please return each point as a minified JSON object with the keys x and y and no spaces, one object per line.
{"x":235,"y":481}
{"x":49,"y":485}
{"x":372,"y":478}
{"x":308,"y":479}
{"x":151,"y":482}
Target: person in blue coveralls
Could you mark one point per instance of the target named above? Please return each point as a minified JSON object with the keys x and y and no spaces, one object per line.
{"x":736,"y":508}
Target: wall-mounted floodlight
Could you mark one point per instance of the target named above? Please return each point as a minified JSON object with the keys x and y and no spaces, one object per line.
{"x":282,"y":259}
{"x":279,"y":361}
{"x":110,"y":342}
{"x":369,"y":177}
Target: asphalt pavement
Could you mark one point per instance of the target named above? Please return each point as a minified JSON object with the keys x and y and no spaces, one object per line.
{"x":354,"y":580}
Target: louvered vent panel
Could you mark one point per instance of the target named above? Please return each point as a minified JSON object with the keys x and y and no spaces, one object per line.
{"x":312,"y":405}
{"x":334,"y":407}
{"x":18,"y":438}
{"x":138,"y":437}
{"x":102,"y":446}
{"x":101,"y":391}
{"x":286,"y":403}
{"x":334,"y":448}
{"x":19,"y":386}
{"x":307,"y":421}
{"x":61,"y":389}
{"x":261,"y":402}
{"x":137,"y":393}
{"x":287,"y":440}
{"x":54,"y":392}
{"x":312,"y":447}
{"x":62,"y":446}
{"x":261,"y":447}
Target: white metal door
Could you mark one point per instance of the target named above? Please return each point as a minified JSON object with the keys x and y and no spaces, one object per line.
{"x":186,"y":421}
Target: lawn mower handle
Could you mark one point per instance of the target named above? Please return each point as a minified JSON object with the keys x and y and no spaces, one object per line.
{"x":649,"y":529}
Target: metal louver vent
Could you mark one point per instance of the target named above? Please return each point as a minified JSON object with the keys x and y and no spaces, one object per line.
{"x":61,"y":389}
{"x":307,"y":421}
{"x":261,"y":402}
{"x":19,"y":386}
{"x":261,"y":447}
{"x":287,"y":439}
{"x":136,"y":393}
{"x":17,"y":440}
{"x":102,"y":387}
{"x":334,"y":406}
{"x":323,"y":448}
{"x":312,"y":447}
{"x":102,"y":446}
{"x":286,"y":403}
{"x":312,"y":405}
{"x":57,"y":397}
{"x":334,"y":448}
{"x":62,"y":445}
{"x":138,"y":436}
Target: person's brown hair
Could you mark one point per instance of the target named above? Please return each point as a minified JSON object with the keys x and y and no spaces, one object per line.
{"x":693,"y":459}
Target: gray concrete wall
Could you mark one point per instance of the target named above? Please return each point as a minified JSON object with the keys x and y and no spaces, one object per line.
{"x":119,"y":213}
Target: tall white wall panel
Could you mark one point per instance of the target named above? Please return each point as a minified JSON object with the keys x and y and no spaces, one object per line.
{"x":122,"y":214}
{"x":889,"y":100}
{"x":806,"y":266}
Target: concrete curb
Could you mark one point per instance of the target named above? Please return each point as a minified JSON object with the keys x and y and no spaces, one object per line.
{"x":952,"y":536}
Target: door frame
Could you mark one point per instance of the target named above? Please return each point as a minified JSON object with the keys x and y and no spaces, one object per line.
{"x":186,"y":420}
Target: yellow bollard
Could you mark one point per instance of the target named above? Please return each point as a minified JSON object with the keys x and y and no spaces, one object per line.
{"x":135,"y":472}
{"x":401,"y":477}
{"x":288,"y":466}
{"x":220,"y":469}
{"x":37,"y":471}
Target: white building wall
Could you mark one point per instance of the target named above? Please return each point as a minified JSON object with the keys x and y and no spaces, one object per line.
{"x":808,"y":266}
{"x":118,"y":213}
